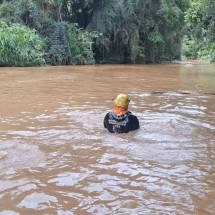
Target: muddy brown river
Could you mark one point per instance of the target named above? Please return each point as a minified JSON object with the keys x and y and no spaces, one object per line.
{"x":58,"y":159}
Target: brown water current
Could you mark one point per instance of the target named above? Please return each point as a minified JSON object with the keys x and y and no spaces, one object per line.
{"x":58,"y":159}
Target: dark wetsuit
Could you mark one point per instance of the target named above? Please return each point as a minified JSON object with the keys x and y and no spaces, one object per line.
{"x":121,"y":124}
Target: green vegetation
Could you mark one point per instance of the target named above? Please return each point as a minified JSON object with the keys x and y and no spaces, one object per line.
{"x":199,"y":39}
{"x":20,"y":46}
{"x":64,"y":42}
{"x":66,"y":32}
{"x":138,"y":31}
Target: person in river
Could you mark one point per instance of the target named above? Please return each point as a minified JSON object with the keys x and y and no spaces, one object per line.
{"x":121,"y":120}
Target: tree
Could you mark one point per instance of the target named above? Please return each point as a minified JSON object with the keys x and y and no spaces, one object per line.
{"x":106,"y":31}
{"x":140,"y":30}
{"x":199,"y":41}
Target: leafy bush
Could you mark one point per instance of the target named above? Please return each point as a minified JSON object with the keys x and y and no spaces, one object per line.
{"x":80,"y":43}
{"x":29,"y":13}
{"x":57,"y":50}
{"x":8,"y":12}
{"x":198,"y":50}
{"x":190,"y":48}
{"x":20,"y":46}
{"x":207,"y":52}
{"x":200,"y":30}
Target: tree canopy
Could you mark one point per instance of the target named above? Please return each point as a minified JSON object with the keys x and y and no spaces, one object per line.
{"x":113,"y":31}
{"x":199,"y":40}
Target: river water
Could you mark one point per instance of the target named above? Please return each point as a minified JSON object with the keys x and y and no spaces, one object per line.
{"x":58,"y":158}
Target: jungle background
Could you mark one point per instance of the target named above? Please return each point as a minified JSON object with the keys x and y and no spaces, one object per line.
{"x":67,"y":32}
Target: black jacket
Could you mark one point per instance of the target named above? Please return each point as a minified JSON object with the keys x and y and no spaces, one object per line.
{"x":121,"y":124}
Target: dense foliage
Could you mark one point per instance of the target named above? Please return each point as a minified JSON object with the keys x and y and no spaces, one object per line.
{"x":199,"y":39}
{"x":20,"y":46}
{"x":64,"y":42}
{"x":113,"y":31}
{"x":139,"y":31}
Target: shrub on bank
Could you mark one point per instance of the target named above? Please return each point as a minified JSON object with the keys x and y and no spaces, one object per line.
{"x":193,"y":49}
{"x":80,"y":43}
{"x":20,"y":46}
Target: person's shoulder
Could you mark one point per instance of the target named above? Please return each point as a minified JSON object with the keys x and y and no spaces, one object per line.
{"x":107,"y":114}
{"x":132,"y":116}
{"x":134,"y":122}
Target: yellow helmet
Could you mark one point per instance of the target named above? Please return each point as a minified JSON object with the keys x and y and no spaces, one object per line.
{"x":122,"y":100}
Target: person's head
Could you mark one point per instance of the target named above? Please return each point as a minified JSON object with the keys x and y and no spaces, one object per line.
{"x":122,"y":100}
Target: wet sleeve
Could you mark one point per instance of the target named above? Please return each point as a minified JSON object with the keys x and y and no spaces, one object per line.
{"x":135,"y":123}
{"x":106,"y":120}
